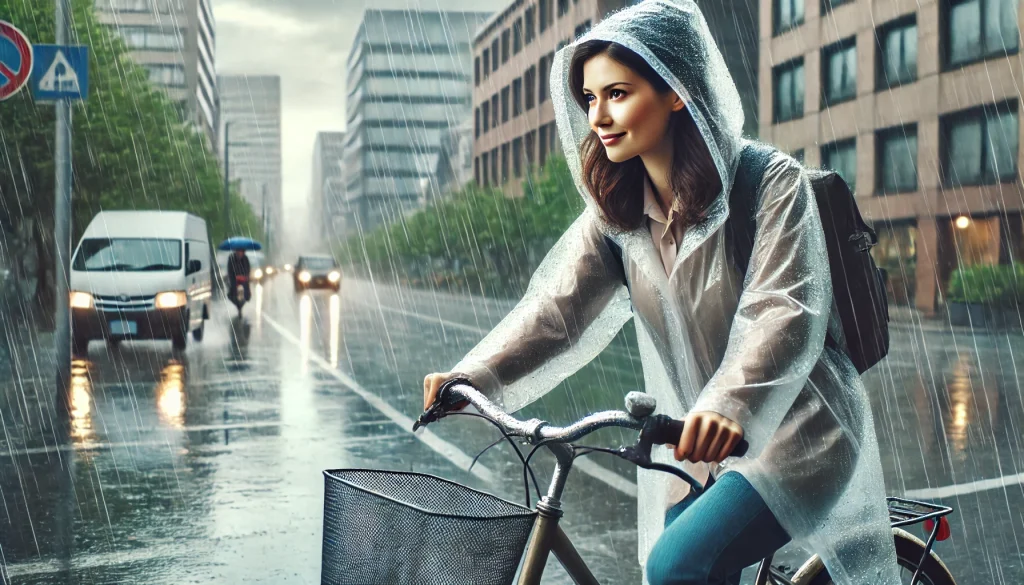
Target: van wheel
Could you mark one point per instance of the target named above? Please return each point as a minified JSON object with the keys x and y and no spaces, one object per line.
{"x":79,"y":345}
{"x":197,"y":334}
{"x":179,"y":340}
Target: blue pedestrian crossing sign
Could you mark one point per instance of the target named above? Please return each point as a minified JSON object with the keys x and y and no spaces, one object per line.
{"x":60,"y":72}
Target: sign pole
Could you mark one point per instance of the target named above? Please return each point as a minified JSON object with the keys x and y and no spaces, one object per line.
{"x":62,"y":225}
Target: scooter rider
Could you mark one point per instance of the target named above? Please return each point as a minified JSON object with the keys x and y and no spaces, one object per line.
{"x":238,"y":275}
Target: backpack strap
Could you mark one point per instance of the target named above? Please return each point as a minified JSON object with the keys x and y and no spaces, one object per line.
{"x":743,"y":198}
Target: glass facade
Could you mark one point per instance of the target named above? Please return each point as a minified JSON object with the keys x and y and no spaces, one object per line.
{"x":787,"y":14}
{"x":402,"y":116}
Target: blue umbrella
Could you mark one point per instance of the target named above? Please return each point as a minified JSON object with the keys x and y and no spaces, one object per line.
{"x":240,"y":243}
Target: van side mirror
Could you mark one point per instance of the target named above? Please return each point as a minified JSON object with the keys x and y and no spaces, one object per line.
{"x":194,"y":266}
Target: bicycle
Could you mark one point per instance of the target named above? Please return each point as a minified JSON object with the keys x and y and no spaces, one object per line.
{"x":386,"y":527}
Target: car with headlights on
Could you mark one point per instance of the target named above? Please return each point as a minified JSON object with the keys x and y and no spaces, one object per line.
{"x":316,"y":272}
{"x":141,"y":275}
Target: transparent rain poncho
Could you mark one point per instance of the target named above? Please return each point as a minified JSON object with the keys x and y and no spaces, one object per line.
{"x":747,"y":346}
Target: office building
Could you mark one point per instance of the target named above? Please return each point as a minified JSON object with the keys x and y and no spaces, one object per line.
{"x":251,"y":111}
{"x":915,"y":104}
{"x":513,"y":117}
{"x":409,"y":82}
{"x":328,"y":185}
{"x":175,"y":41}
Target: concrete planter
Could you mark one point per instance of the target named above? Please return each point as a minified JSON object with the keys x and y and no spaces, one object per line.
{"x":968,"y":314}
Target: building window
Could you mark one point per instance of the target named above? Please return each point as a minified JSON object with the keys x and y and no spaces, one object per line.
{"x":494,"y":54}
{"x":552,"y":136}
{"x":517,"y":97}
{"x":841,"y":157}
{"x":897,"y":52}
{"x":542,"y":85}
{"x":544,"y":11}
{"x":494,"y":166}
{"x":152,"y":38}
{"x":582,"y":29}
{"x":979,"y":29}
{"x":530,"y":30}
{"x":476,"y":72}
{"x":487,"y":62}
{"x":896,"y":159}
{"x":827,"y":5}
{"x":789,"y":90}
{"x":476,"y":170}
{"x":494,"y":111}
{"x":531,"y":86}
{"x":167,"y":75}
{"x":530,"y":145}
{"x":484,"y":160}
{"x":798,"y":155}
{"x":506,"y":36}
{"x":787,"y":14}
{"x":485,"y":114}
{"x":838,"y":72}
{"x":476,"y":122}
{"x":979,"y":146}
{"x":517,"y":158}
{"x":563,"y":8}
{"x":505,"y":103}
{"x":517,"y":36}
{"x":504,"y":163}
{"x":542,"y":144}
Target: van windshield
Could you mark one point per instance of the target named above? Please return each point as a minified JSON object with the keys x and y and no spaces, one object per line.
{"x":317,"y":263}
{"x":128,"y":255}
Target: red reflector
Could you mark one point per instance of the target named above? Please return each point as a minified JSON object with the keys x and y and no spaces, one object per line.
{"x":944,"y":530}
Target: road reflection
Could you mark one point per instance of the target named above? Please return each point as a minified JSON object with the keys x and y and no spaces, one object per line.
{"x":81,"y":402}
{"x":170,"y":392}
{"x":328,"y":334}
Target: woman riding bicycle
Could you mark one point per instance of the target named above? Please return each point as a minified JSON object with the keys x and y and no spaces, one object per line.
{"x":650,"y":122}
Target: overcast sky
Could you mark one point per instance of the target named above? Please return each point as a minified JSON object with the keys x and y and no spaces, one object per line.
{"x":306,"y":42}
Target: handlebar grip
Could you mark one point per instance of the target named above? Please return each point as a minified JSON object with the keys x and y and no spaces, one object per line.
{"x":667,"y":430}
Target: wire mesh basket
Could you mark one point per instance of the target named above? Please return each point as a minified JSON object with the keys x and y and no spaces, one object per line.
{"x":394,"y":527}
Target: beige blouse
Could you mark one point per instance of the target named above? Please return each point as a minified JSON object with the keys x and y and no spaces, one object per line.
{"x":666,"y":233}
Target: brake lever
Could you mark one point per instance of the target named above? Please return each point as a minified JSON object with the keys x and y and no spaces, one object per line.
{"x":640,"y":455}
{"x":438,"y":410}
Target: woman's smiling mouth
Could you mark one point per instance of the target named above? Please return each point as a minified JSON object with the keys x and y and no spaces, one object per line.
{"x":610,"y":139}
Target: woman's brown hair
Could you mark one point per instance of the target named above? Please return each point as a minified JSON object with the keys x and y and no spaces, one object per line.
{"x":618,"y":187}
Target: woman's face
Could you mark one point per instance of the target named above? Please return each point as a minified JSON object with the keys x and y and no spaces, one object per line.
{"x":627,"y":113}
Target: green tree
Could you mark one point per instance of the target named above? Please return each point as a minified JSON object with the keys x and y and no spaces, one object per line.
{"x":476,"y":240}
{"x":131,"y":150}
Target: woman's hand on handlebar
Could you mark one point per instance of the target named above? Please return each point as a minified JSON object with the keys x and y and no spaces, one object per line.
{"x":432,"y":383}
{"x":708,"y":437}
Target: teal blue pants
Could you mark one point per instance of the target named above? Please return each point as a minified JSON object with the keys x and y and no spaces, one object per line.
{"x":708,"y":540}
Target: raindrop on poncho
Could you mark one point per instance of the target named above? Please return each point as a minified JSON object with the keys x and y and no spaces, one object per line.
{"x":748,"y":346}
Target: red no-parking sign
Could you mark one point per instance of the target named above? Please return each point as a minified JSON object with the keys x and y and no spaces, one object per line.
{"x":15,"y":60}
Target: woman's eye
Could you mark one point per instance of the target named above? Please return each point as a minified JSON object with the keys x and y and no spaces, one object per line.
{"x":589,"y":97}
{"x":616,"y":93}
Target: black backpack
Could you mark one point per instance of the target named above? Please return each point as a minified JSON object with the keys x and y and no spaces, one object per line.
{"x":858,"y":286}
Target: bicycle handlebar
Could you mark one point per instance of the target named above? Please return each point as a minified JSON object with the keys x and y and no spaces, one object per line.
{"x":655,"y":429}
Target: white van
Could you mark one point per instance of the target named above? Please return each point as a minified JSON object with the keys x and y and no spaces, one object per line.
{"x":141,"y":275}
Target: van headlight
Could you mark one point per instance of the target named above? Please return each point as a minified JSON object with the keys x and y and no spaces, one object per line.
{"x":81,"y":300}
{"x":334,"y":276}
{"x":170,"y":300}
{"x":257,"y":274}
{"x":304,"y":276}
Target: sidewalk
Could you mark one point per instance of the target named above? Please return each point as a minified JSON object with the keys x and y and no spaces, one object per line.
{"x":907,"y":318}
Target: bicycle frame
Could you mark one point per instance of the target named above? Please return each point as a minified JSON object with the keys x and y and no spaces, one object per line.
{"x":547,"y":536}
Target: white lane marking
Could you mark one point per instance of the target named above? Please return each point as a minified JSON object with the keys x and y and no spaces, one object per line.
{"x":439,"y":445}
{"x":962,"y":489}
{"x":442,"y":322}
{"x":587,"y":466}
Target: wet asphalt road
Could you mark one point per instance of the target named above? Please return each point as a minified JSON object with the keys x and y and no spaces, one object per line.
{"x":205,"y":466}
